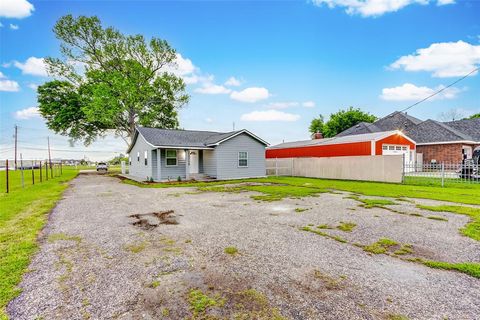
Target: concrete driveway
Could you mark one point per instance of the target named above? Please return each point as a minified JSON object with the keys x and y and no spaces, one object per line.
{"x":112,"y":250}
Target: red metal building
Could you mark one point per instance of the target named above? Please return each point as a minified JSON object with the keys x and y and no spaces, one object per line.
{"x":377,"y":143}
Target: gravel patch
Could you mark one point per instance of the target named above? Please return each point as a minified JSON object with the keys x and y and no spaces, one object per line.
{"x":95,"y":263}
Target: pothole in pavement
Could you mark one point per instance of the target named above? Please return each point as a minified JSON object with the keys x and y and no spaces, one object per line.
{"x":148,"y":221}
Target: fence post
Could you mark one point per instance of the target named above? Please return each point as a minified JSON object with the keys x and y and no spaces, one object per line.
{"x":51,"y":169}
{"x":40,"y":166}
{"x":443,"y":174}
{"x":46,"y":170}
{"x":33,"y":174}
{"x":403,"y":168}
{"x":21,"y":170}
{"x":6,"y":174}
{"x":61,"y":170}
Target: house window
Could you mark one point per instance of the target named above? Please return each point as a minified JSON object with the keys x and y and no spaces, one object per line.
{"x":146,"y":157}
{"x":384,"y":147}
{"x":129,"y":161}
{"x":398,"y":148}
{"x":138,"y":156}
{"x":243,"y":159}
{"x":171,"y":158}
{"x":391,"y":147}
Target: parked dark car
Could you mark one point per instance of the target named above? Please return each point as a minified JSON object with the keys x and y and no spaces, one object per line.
{"x":470,"y":170}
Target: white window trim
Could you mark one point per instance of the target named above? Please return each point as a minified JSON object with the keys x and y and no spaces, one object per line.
{"x":176,"y":158}
{"x":138,"y":156}
{"x":238,"y":160}
{"x":145,"y":158}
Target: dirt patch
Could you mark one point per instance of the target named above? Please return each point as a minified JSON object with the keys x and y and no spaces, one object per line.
{"x":148,"y":221}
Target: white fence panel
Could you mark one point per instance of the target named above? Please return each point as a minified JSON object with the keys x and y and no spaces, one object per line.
{"x":388,"y":168}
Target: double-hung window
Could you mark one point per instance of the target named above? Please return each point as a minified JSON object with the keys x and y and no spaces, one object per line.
{"x":171,"y":158}
{"x":243,"y":159}
{"x":146,"y":157}
{"x":138,"y":156}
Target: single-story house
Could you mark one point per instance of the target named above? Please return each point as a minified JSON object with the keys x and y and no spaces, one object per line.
{"x":164,"y":154}
{"x":377,"y":143}
{"x":448,"y":142}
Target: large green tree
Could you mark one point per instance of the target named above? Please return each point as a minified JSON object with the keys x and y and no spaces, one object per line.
{"x":477,"y":115}
{"x":107,"y":81}
{"x":340,"y":121}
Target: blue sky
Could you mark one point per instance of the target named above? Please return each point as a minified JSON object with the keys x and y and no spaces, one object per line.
{"x":287,"y":61}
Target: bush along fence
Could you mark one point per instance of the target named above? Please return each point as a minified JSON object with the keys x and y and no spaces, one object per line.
{"x":27,"y":172}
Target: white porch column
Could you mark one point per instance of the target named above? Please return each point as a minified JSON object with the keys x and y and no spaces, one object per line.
{"x":187,"y":164}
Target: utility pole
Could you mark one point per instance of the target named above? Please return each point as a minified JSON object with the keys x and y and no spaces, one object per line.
{"x":16,"y":134}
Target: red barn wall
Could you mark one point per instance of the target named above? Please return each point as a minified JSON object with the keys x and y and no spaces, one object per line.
{"x":393,"y":139}
{"x":331,"y":150}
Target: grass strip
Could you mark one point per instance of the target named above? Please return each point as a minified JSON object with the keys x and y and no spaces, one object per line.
{"x":23,"y":214}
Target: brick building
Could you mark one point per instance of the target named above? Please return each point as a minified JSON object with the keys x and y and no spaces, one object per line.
{"x":447,"y":142}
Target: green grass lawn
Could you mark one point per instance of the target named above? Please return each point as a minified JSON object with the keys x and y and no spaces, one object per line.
{"x":23,"y":213}
{"x":298,"y":187}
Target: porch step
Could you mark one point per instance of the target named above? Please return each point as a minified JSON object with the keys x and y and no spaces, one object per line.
{"x":200,"y":176}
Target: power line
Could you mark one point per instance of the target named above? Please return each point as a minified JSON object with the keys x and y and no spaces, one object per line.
{"x":439,"y":91}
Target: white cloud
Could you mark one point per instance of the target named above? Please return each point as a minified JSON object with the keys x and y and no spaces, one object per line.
{"x":14,"y":26}
{"x":9,"y":86}
{"x":2,"y":76}
{"x":444,"y":59}
{"x":27,"y":113}
{"x":184,"y":66}
{"x":33,"y":66}
{"x":410,"y":92}
{"x":233,"y":82}
{"x":15,"y":8}
{"x":445,"y":2}
{"x":208,"y":120}
{"x":33,"y":86}
{"x":250,"y":95}
{"x":374,"y":8}
{"x":210,"y":88}
{"x":282,"y":105}
{"x":269,"y":115}
{"x":308,"y":104}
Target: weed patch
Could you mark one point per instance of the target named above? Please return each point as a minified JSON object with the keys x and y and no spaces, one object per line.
{"x":136,"y":247}
{"x":329,"y":282}
{"x":200,"y":302}
{"x":324,"y":234}
{"x":439,"y":218}
{"x":231,"y":250}
{"x":346,"y":226}
{"x":404,"y":249}
{"x":62,"y":236}
{"x":380,"y":247}
{"x":471,"y":229}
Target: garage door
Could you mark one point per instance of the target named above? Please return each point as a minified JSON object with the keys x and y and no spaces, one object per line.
{"x":393,"y":149}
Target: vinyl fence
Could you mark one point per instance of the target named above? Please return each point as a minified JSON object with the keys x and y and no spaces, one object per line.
{"x":366,"y":168}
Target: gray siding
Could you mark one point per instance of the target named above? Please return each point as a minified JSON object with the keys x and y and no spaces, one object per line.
{"x":209,"y":163}
{"x":154,"y":159}
{"x":227,"y":158}
{"x":170,"y":172}
{"x":138,"y":168}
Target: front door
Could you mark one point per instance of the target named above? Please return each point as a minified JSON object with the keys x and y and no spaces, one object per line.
{"x":193,"y":157}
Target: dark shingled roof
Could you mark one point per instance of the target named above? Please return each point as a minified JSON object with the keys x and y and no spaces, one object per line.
{"x":185,"y":138}
{"x":361,"y":128}
{"x":434,"y":131}
{"x":428,"y":131}
{"x":471,"y":127}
